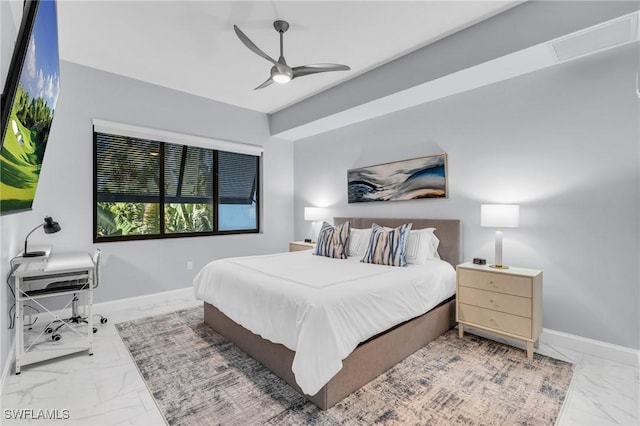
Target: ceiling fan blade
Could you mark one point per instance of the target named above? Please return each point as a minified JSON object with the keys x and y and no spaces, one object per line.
{"x":267,"y":82}
{"x":316,"y":68}
{"x":255,"y":49}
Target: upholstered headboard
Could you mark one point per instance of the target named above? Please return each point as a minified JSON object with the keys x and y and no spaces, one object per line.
{"x":447,"y":231}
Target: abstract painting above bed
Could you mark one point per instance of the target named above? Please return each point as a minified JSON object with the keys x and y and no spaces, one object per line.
{"x":424,"y":177}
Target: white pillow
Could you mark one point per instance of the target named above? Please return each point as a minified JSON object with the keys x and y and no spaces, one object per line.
{"x":358,"y":241}
{"x":422,"y":245}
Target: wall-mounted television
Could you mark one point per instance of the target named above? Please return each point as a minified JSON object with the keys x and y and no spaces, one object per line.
{"x":27,"y":105}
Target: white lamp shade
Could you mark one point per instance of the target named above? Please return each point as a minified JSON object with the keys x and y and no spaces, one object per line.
{"x":500,"y":215}
{"x":315,"y":213}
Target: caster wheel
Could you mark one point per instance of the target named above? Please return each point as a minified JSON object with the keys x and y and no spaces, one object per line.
{"x":56,"y":337}
{"x":95,"y":330}
{"x":103,"y":320}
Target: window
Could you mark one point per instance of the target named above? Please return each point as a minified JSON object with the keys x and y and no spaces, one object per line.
{"x":188,"y":189}
{"x":154,"y":189}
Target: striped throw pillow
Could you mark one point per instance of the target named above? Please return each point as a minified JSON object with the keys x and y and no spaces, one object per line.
{"x":333,"y":241}
{"x":388,"y":246}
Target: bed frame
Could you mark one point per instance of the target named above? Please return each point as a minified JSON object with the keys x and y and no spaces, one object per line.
{"x":370,"y":358}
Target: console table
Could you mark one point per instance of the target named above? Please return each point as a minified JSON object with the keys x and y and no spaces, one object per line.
{"x":31,"y":277}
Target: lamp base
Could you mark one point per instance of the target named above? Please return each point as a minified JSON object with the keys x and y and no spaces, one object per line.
{"x":34,"y":254}
{"x":498,"y":266}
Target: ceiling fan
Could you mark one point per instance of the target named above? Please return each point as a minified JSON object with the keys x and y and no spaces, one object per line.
{"x":281,"y":72}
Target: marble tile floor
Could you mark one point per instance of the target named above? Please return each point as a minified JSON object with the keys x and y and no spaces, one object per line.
{"x":106,"y":388}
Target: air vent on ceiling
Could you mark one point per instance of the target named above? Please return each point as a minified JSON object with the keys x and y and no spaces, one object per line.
{"x":597,"y":38}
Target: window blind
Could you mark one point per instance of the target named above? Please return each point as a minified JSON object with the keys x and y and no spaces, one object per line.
{"x":188,"y":174}
{"x":237,"y":177}
{"x":128,"y":169}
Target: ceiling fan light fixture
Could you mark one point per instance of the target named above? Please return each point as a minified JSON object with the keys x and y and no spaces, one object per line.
{"x":281,"y":78}
{"x":281,"y":74}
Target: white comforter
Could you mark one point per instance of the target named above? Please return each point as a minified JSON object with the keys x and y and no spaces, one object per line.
{"x":319,"y":307}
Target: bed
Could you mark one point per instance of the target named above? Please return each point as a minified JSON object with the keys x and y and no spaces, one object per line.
{"x":314,"y":372}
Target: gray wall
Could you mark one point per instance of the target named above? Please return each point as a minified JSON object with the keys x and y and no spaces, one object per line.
{"x":65,"y":190}
{"x":562,"y":143}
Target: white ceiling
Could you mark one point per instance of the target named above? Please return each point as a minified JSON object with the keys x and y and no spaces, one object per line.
{"x":190,"y":45}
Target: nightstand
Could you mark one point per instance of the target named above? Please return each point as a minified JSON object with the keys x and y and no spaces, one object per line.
{"x":301,"y":245}
{"x":502,"y":301}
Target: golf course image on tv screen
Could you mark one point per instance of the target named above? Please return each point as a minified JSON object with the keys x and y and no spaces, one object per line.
{"x":31,"y":112}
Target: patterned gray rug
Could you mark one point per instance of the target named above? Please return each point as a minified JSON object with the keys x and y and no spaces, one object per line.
{"x":197,"y":377}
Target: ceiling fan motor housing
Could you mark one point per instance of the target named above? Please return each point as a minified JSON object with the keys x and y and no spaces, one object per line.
{"x":281,"y":26}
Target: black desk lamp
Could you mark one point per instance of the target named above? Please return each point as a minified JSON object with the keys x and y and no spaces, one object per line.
{"x":50,"y":227}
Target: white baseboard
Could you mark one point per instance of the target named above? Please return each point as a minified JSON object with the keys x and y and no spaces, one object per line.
{"x":586,"y":346}
{"x":149,"y":300}
{"x":559,"y":345}
{"x":6,"y":369}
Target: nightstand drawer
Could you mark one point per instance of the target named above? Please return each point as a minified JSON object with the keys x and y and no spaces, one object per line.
{"x":501,"y":283}
{"x":515,"y":305}
{"x":499,"y":321}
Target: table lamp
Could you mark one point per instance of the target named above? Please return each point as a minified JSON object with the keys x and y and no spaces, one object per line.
{"x":50,"y":227}
{"x":499,"y":216}
{"x":316,"y":215}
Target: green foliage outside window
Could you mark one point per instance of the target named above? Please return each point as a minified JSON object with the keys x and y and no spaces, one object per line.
{"x":188,"y":218}
{"x":122,"y":219}
{"x":128,"y":219}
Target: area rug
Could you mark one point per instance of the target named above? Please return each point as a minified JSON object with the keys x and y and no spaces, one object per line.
{"x":197,"y":377}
